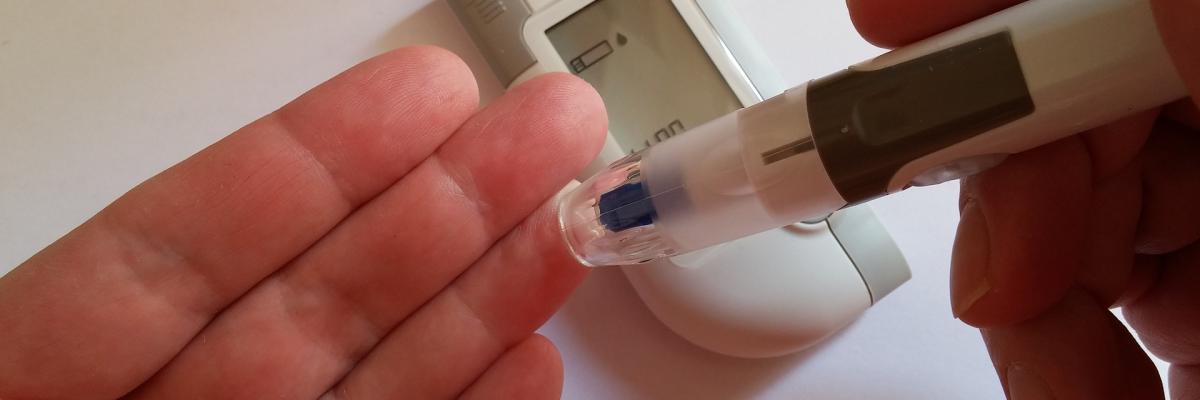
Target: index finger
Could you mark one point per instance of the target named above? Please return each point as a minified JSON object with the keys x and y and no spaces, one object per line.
{"x":895,"y":23}
{"x":131,"y":286}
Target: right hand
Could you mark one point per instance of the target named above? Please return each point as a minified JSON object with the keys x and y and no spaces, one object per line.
{"x":1055,"y":236}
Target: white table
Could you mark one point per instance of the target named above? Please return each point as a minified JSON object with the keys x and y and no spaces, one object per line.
{"x":98,"y":96}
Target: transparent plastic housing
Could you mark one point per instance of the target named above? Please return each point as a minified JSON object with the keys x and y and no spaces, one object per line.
{"x":593,"y":241}
{"x":709,"y":186}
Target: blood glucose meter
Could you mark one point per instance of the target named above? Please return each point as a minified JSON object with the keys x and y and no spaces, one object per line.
{"x":662,"y":67}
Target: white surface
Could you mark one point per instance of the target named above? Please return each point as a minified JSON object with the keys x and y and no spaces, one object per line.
{"x":97,"y":96}
{"x":772,"y":294}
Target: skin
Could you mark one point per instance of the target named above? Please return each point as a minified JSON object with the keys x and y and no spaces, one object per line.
{"x":378,"y":237}
{"x":1055,"y":237}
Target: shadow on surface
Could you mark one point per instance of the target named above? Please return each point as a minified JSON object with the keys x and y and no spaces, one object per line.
{"x":628,"y":342}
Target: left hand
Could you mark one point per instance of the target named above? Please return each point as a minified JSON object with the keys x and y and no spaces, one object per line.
{"x":376,"y":238}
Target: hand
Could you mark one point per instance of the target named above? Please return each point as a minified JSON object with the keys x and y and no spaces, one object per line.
{"x":1053,"y":237}
{"x":379,"y":237}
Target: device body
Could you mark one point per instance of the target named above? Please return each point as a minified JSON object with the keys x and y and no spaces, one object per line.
{"x":952,"y":105}
{"x":665,"y":66}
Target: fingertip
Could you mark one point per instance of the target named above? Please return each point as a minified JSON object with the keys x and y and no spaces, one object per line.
{"x":550,"y":360}
{"x":1035,"y":233}
{"x":570,"y":106}
{"x":895,"y":23}
{"x":1142,"y":276}
{"x":418,"y":80}
{"x":381,"y":117}
{"x":969,"y":260}
{"x":566,"y":86}
{"x":532,"y":369}
{"x":871,"y":20}
{"x":549,"y":355}
{"x":442,"y":80}
{"x":1170,"y":219}
{"x":1165,"y":315}
{"x":572,"y":96}
{"x":415,"y":79}
{"x":432,"y":61}
{"x":1075,"y":349}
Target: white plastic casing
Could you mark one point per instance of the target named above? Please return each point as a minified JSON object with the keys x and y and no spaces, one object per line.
{"x":708,"y":188}
{"x":766,"y":295}
{"x":1070,"y":65}
{"x":711,"y":187}
{"x":1086,"y":63}
{"x":776,"y":292}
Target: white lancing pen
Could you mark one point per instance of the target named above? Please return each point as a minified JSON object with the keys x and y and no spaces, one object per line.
{"x":940,"y":109}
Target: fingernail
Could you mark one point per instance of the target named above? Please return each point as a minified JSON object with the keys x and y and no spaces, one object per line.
{"x":969,"y":261}
{"x":1024,"y":384}
{"x":966,"y":189}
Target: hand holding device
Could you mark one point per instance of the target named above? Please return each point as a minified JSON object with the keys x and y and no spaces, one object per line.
{"x":1054,"y":236}
{"x":940,"y":109}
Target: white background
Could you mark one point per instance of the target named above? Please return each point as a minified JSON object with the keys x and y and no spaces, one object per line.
{"x":98,"y":96}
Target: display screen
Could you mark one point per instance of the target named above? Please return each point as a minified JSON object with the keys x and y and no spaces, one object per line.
{"x":655,"y":78}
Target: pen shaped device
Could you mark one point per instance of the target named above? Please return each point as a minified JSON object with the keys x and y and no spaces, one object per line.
{"x":940,"y":109}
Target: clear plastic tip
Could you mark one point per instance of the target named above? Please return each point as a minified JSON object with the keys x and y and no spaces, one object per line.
{"x":719,"y":182}
{"x":610,"y":218}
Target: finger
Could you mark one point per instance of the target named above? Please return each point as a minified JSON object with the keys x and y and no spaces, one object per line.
{"x":1184,"y":112}
{"x":1177,"y":25}
{"x":531,"y":370}
{"x":1076,"y":350}
{"x":1184,"y":381}
{"x":894,"y":23}
{"x":1114,"y":146}
{"x":131,"y":286}
{"x":1107,"y":268}
{"x":1170,"y":218}
{"x":335,"y":302}
{"x":510,"y":292}
{"x":1141,"y":278}
{"x":1108,"y":262}
{"x":1167,"y":316}
{"x":1022,"y":236}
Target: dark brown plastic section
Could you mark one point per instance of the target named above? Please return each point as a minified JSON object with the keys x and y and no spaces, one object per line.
{"x":869,"y":124}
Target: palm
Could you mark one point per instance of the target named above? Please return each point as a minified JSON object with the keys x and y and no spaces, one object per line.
{"x":375,"y":238}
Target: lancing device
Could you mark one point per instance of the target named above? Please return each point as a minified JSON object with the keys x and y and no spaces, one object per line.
{"x":940,"y":109}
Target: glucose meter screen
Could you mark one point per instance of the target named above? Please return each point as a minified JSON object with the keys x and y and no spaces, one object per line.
{"x":655,"y":78}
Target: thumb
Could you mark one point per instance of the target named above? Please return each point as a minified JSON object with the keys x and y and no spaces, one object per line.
{"x":1021,"y":239}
